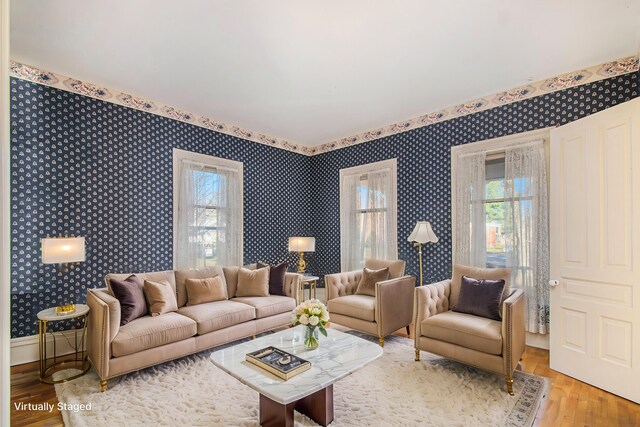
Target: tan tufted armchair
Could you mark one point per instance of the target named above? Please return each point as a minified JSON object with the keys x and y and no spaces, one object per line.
{"x":492,"y":345}
{"x":390,"y":309}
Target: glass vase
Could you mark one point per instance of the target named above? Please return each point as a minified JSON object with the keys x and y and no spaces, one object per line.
{"x":311,"y":337}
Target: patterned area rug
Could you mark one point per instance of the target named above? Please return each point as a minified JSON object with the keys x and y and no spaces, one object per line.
{"x":392,"y":390}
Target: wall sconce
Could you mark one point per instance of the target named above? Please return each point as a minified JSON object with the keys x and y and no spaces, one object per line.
{"x":421,"y":234}
{"x":302,"y":245}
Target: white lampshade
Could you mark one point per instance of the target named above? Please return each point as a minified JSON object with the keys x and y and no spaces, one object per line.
{"x":59,"y":250}
{"x":302,"y":244}
{"x":422,"y":233}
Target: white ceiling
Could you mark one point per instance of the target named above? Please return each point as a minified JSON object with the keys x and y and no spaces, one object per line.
{"x":314,"y":72}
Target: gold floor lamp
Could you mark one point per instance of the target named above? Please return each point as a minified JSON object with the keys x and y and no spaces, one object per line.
{"x":421,"y":234}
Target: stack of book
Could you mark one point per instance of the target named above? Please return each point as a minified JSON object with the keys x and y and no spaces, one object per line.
{"x":280,"y":363}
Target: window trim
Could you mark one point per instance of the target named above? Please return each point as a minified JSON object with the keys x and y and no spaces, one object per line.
{"x":493,"y":148}
{"x":392,"y":165}
{"x":210,"y":161}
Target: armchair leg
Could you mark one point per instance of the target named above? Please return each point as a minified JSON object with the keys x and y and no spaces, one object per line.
{"x":509,"y":380}
{"x":417,"y":354}
{"x":103,"y":386}
{"x":381,"y":341}
{"x":408,"y":330}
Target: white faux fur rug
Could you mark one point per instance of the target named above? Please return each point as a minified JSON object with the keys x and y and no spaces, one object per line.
{"x":392,"y":390}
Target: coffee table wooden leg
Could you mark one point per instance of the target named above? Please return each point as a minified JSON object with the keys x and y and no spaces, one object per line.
{"x":274,"y":414}
{"x":318,"y":406}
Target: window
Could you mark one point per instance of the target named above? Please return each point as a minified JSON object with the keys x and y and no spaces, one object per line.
{"x":368,"y":225}
{"x":207,"y":211}
{"x":500,"y":214}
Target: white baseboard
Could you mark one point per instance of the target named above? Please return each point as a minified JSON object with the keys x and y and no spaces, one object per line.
{"x":538,"y":340}
{"x":25,"y":349}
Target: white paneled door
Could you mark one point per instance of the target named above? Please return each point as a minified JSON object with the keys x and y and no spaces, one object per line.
{"x":595,"y":250}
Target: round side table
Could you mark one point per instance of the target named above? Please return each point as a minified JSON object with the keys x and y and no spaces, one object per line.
{"x":79,"y":362}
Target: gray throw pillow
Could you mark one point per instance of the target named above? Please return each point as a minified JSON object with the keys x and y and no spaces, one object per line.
{"x":480,"y":297}
{"x":130,"y":293}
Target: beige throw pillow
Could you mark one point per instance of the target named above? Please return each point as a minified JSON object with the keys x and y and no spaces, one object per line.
{"x":210,"y":289}
{"x":367,"y":285}
{"x":253,"y":283}
{"x":161,"y":297}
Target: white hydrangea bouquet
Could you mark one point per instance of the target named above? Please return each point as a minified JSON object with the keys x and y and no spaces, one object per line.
{"x":314,"y":315}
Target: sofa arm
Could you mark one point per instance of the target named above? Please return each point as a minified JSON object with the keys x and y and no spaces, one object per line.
{"x":292,"y":285}
{"x":103,"y":325}
{"x":513,"y":330}
{"x":341,"y":284}
{"x":394,"y":304}
{"x":430,"y":300}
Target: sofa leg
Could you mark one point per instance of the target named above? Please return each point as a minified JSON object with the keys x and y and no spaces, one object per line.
{"x":509,"y":380}
{"x":103,"y":386}
{"x":381,"y":340}
{"x":408,"y":330}
{"x":253,"y":337}
{"x":417,"y":354}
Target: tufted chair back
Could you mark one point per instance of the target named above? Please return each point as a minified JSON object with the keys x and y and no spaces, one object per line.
{"x":341,"y":284}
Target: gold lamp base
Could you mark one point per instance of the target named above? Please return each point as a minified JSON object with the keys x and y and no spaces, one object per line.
{"x":302,"y":264}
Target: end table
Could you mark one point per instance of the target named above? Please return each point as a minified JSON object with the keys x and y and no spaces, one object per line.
{"x":312,"y":281}
{"x":80,"y":361}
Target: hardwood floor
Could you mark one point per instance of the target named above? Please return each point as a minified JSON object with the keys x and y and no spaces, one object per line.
{"x":570,"y":402}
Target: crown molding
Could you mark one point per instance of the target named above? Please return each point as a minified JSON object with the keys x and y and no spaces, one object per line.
{"x":607,"y":70}
{"x":592,"y":74}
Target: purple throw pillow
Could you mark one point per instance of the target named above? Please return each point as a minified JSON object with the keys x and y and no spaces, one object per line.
{"x":276,"y":277}
{"x":130,"y":293}
{"x":480,"y":297}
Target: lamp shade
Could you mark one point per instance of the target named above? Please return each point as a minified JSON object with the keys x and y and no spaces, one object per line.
{"x":302,"y":244}
{"x":59,"y":250}
{"x":422,"y":233}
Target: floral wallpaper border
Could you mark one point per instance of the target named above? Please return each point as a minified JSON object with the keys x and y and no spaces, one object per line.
{"x":575,"y":78}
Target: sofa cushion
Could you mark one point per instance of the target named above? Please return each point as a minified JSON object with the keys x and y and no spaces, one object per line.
{"x":210,"y":289}
{"x":465,"y":330}
{"x":231,"y":277}
{"x":199,"y":273}
{"x":480,"y":297}
{"x":161,"y":297}
{"x":358,"y":306}
{"x":396,"y":266}
{"x":212,"y":316}
{"x":477,"y":273}
{"x":276,"y":277}
{"x":149,"y":332}
{"x":155,"y":276}
{"x":268,"y":306}
{"x":130,"y":293}
{"x":253,"y":283}
{"x":367,"y":284}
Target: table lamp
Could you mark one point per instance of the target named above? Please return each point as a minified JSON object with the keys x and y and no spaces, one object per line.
{"x":63,"y":251}
{"x":302,"y":245}
{"x":421,"y":234}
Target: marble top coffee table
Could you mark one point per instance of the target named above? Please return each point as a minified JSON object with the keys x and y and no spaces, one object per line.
{"x":310,"y":392}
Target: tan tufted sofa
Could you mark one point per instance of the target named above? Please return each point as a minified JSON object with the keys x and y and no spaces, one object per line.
{"x":390,"y":309}
{"x":115,"y":350}
{"x":492,"y":345}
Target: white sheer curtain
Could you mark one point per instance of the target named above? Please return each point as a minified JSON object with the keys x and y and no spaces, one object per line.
{"x":209,"y":225}
{"x":367,"y":219}
{"x":470,"y":237}
{"x":527,"y":213}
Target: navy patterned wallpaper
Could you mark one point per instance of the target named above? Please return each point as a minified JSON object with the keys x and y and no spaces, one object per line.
{"x":424,"y":167}
{"x":86,"y":167}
